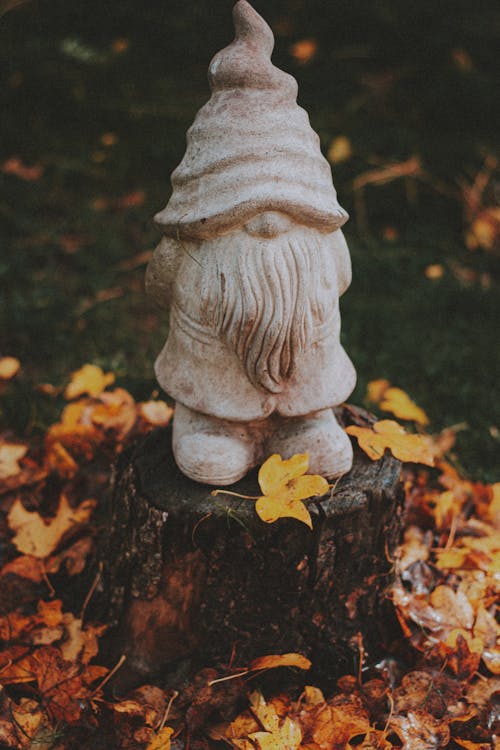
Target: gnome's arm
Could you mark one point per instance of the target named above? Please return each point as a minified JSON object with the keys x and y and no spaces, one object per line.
{"x":162,"y":270}
{"x":342,"y":262}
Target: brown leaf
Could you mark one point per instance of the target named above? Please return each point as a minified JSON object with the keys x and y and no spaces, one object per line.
{"x":280,"y":660}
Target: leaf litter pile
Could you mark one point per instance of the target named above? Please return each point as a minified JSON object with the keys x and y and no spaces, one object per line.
{"x":438,"y":685}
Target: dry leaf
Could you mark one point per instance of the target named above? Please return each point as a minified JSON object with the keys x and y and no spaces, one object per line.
{"x":418,"y":730}
{"x":10,"y":455}
{"x":391,"y":435}
{"x":285,"y":486}
{"x":14,"y":166}
{"x":281,"y":660}
{"x":88,"y":379}
{"x":304,"y":50}
{"x":434,"y":271}
{"x":157,"y":413}
{"x":58,"y":459}
{"x":9,"y":366}
{"x":340,"y":150}
{"x":376,"y":390}
{"x":64,"y":686}
{"x":39,"y":538}
{"x":400,"y":404}
{"x":161,"y":741}
{"x":80,"y":643}
{"x":276,"y":735}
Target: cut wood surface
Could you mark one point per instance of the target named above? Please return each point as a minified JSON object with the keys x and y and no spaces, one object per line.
{"x":192,"y":576}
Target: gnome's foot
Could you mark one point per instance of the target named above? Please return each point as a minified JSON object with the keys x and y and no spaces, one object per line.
{"x":329,"y":448}
{"x":211,"y":450}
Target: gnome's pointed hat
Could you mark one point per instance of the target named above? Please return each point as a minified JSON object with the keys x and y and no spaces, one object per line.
{"x":251,"y":148}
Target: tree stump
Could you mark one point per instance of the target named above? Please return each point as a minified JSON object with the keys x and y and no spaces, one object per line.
{"x":191,"y":575}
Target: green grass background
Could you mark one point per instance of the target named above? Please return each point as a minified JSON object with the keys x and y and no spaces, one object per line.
{"x":398,"y":78}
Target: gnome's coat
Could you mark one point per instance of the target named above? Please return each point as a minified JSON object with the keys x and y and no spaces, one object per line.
{"x":251,"y":150}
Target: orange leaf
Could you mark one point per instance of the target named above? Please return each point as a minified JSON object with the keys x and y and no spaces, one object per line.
{"x":88,"y":379}
{"x":281,"y":660}
{"x":9,"y":366}
{"x":285,"y":486}
{"x":388,"y":434}
{"x":39,"y":538}
{"x":16,"y":167}
{"x":304,"y":50}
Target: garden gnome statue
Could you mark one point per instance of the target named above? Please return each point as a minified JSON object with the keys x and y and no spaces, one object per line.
{"x":251,"y":266}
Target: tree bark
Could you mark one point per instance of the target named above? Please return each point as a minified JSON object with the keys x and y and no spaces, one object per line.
{"x":191,"y":575}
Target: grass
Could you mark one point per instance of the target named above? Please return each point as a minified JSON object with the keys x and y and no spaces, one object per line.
{"x":72,"y":75}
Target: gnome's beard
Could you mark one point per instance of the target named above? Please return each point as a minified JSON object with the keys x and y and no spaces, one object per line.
{"x":268,"y":296}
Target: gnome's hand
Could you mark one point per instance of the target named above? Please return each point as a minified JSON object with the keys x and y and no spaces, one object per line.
{"x":162,"y":270}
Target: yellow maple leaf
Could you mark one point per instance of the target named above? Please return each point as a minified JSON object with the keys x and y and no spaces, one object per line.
{"x":376,"y":389}
{"x":88,"y":379}
{"x":39,"y":538}
{"x":284,"y":486}
{"x":400,"y":404}
{"x":161,"y":741}
{"x":388,"y":434}
{"x":276,"y":735}
{"x":396,"y":401}
{"x":10,"y":455}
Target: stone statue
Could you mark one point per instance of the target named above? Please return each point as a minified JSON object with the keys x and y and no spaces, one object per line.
{"x":251,"y":266}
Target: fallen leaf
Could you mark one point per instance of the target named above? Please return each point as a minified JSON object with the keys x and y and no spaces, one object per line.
{"x":157,"y":413}
{"x":285,"y":486}
{"x":391,"y":435}
{"x":14,"y":166}
{"x":280,"y":660}
{"x":58,"y":459}
{"x":34,"y":536}
{"x":65,"y":686}
{"x":340,"y":150}
{"x":131,"y":200}
{"x":434,"y":271}
{"x":81,"y":644}
{"x":9,"y":367}
{"x":336,"y":723}
{"x":376,"y":390}
{"x":88,"y":379}
{"x":418,"y":730}
{"x":10,"y":455}
{"x":24,"y":566}
{"x":400,"y":404}
{"x":277,"y":735}
{"x":304,"y":50}
{"x":116,"y":411}
{"x":161,"y":741}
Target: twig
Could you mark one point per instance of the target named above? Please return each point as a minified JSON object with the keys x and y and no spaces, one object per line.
{"x":91,"y":591}
{"x":115,"y":669}
{"x":175,"y":694}
{"x":229,"y":677}
{"x":52,"y":591}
